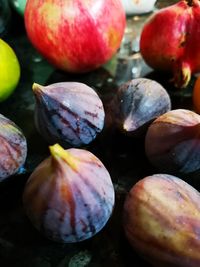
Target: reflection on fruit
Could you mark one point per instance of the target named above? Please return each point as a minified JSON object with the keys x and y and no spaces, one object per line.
{"x":169,"y":40}
{"x":13,"y":148}
{"x":172,"y":142}
{"x":162,"y":219}
{"x":138,"y":102}
{"x":68,"y":113}
{"x":70,"y":196}
{"x":9,"y":70}
{"x":75,"y":36}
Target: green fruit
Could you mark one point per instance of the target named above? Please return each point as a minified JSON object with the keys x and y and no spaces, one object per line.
{"x":9,"y":70}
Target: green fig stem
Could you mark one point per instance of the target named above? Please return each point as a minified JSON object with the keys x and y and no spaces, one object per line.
{"x":58,"y":152}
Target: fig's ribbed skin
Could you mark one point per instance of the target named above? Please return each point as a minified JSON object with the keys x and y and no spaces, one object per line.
{"x":70,"y":196}
{"x":68,"y":113}
{"x":138,"y":102}
{"x":172,"y":142}
{"x":161,"y":220}
{"x":13,"y":148}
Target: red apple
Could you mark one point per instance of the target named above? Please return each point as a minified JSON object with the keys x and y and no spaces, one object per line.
{"x":75,"y":35}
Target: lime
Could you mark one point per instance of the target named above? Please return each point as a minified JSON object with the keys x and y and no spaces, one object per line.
{"x":9,"y":70}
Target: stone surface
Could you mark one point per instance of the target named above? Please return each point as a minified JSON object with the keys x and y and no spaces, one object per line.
{"x":20,"y":244}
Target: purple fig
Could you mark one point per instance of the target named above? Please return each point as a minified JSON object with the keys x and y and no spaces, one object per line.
{"x":68,"y":113}
{"x":137,"y":103}
{"x":13,"y":148}
{"x":70,"y":196}
{"x":172,"y":142}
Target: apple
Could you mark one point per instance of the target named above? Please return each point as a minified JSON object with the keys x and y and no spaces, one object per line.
{"x":75,"y":35}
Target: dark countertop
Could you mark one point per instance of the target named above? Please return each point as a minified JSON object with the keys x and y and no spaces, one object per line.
{"x":20,"y":244}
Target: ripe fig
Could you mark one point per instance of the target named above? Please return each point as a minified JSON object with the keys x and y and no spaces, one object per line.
{"x":13,"y":148}
{"x":137,"y":103}
{"x":68,"y":113}
{"x":161,"y":220}
{"x":70,"y":196}
{"x":172,"y":142}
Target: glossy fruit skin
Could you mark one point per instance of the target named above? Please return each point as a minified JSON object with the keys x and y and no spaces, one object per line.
{"x":172,"y":142}
{"x":161,"y":219}
{"x":169,"y":41}
{"x":75,"y":35}
{"x":10,"y":70}
{"x":137,"y":103}
{"x":70,"y":196}
{"x":13,"y":148}
{"x":69,"y":113}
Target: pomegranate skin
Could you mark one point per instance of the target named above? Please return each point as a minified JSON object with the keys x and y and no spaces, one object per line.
{"x":75,"y":35}
{"x":170,"y":41}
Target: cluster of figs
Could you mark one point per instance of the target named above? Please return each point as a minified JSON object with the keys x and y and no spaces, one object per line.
{"x":70,"y":195}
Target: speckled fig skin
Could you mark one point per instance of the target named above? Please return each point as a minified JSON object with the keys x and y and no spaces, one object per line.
{"x":137,"y":103}
{"x":172,"y":142}
{"x":70,"y":196}
{"x":13,"y":148}
{"x":161,"y":220}
{"x":69,"y":113}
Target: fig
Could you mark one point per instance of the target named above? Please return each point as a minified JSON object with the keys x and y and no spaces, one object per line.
{"x":161,"y":220}
{"x":69,"y":197}
{"x":172,"y":142}
{"x":13,"y":149}
{"x":137,"y":103}
{"x":69,"y":113}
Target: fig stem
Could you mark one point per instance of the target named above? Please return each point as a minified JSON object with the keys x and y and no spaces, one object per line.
{"x":36,"y":87}
{"x":58,"y":152}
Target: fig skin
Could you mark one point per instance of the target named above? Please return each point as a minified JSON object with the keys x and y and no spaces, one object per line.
{"x":137,"y":103}
{"x":13,"y":148}
{"x":70,"y":196}
{"x":172,"y":142}
{"x":69,"y":113}
{"x":161,"y":220}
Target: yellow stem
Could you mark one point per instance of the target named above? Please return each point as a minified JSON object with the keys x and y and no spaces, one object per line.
{"x":58,"y":152}
{"x":36,"y":87}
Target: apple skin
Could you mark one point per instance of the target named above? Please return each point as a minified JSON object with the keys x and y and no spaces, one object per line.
{"x":75,"y":35}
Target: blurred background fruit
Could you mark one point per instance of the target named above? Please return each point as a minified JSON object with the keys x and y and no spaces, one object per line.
{"x":9,"y":70}
{"x":94,"y":30}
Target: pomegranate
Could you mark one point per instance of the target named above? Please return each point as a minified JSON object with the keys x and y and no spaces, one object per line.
{"x":75,"y":35}
{"x":170,"y":40}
